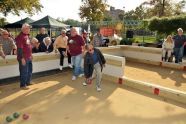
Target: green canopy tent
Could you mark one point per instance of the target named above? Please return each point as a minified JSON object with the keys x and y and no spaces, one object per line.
{"x":49,"y":23}
{"x":19,"y":23}
{"x":16,"y":26}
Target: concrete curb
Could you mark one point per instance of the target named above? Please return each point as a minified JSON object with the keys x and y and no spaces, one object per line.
{"x":166,"y":93}
{"x":160,"y":91}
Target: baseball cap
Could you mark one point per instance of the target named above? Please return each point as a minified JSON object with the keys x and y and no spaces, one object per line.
{"x":63,"y":31}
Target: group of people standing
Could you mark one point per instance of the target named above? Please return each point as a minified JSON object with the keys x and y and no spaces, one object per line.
{"x":73,"y":46}
{"x":174,"y":46}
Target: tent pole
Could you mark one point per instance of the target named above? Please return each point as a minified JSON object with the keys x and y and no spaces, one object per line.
{"x":50,"y":32}
{"x":32,"y":32}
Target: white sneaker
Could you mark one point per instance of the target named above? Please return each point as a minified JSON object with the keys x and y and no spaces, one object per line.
{"x":81,"y":75}
{"x":70,"y":65}
{"x":61,"y":68}
{"x":73,"y":78}
{"x":84,"y":84}
{"x":98,"y":89}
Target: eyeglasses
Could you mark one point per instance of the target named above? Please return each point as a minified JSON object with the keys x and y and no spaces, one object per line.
{"x":5,"y":34}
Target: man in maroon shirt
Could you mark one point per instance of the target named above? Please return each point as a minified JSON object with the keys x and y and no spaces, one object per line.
{"x":76,"y":47}
{"x":24,"y":55}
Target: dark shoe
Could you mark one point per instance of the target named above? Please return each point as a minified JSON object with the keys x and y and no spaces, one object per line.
{"x":163,"y":59}
{"x":169,"y":59}
{"x":29,"y":84}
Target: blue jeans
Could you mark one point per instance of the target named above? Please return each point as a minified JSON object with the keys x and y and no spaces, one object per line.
{"x":76,"y":60}
{"x":178,"y":52}
{"x":25,"y":73}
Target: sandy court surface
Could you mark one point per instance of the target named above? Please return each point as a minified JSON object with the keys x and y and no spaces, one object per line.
{"x":56,"y":99}
{"x":171,"y":78}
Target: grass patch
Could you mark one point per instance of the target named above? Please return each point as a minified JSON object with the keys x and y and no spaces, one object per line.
{"x":147,"y":39}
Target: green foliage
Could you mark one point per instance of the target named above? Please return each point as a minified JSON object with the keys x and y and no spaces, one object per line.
{"x":92,"y":10}
{"x":72,"y":22}
{"x":164,"y":8}
{"x":127,"y":41}
{"x":2,"y":22}
{"x":15,"y":6}
{"x":121,"y":16}
{"x":158,"y":8}
{"x":167,"y":25}
{"x":107,"y":17}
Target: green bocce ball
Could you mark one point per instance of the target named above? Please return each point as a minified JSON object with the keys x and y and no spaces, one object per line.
{"x":9,"y":119}
{"x":16,"y":115}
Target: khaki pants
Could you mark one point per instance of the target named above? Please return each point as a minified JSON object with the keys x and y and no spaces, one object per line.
{"x":97,"y":74}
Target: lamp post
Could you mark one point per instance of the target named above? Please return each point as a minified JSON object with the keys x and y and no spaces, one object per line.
{"x":124,"y":20}
{"x":143,"y":31}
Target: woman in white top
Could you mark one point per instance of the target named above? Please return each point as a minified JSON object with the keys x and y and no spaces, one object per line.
{"x":167,"y":47}
{"x":60,"y":44}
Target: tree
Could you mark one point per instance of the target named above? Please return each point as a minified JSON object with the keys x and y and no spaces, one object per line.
{"x":164,"y":8}
{"x":179,"y":8}
{"x":92,"y":10}
{"x":130,"y":15}
{"x":72,"y":22}
{"x":15,"y":6}
{"x":107,"y":17}
{"x":121,"y":16}
{"x":139,"y":13}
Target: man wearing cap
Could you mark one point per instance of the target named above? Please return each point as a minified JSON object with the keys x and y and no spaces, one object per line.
{"x":60,"y":44}
{"x":179,"y":42}
{"x":97,"y":39}
{"x":24,"y":56}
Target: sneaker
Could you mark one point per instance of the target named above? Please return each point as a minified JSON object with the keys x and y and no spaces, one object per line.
{"x":98,"y":89}
{"x":81,"y":75}
{"x":73,"y":78}
{"x":24,"y":87}
{"x":70,"y":65}
{"x":84,"y":84}
{"x":61,"y":68}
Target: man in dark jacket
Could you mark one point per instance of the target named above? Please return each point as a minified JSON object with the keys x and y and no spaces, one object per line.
{"x":42,"y":34}
{"x":93,"y":61}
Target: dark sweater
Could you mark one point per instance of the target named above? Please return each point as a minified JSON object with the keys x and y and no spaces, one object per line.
{"x":89,"y":62}
{"x":43,"y":48}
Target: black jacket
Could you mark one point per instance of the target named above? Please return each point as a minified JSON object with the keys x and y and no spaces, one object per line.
{"x":89,"y":63}
{"x":40,"y":37}
{"x":43,"y":48}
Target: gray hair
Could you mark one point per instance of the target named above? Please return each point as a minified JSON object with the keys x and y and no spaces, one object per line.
{"x":180,"y":29}
{"x":34,"y":39}
{"x":47,"y":38}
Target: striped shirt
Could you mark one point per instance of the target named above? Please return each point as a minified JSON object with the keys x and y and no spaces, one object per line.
{"x":8,"y":45}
